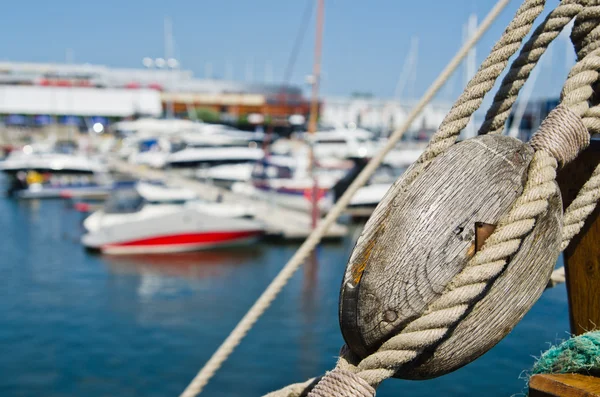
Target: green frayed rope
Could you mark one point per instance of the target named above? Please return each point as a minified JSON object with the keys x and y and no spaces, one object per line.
{"x":580,"y":354}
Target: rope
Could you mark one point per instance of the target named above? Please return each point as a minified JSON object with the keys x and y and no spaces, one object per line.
{"x":271,"y":292}
{"x":294,"y":390}
{"x":343,"y":383}
{"x":583,"y":205}
{"x":483,"y":81}
{"x":519,"y":72}
{"x":562,"y":134}
{"x":578,"y":355}
{"x":578,"y":90}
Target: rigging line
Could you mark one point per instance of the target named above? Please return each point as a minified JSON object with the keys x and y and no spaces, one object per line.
{"x":289,"y":68}
{"x":270,"y":293}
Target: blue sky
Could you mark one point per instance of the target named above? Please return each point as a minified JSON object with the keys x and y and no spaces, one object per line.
{"x":365,"y":42}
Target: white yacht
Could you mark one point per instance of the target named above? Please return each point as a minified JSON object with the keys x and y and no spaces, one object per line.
{"x":159,"y":219}
{"x":38,"y":168}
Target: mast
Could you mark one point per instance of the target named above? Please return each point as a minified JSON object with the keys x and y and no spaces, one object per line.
{"x":168,"y":32}
{"x":314,"y":106}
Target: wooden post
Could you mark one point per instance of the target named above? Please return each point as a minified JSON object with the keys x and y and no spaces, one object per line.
{"x":582,"y":269}
{"x":582,"y":256}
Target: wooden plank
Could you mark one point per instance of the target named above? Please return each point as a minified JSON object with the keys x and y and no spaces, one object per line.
{"x":582,"y":257}
{"x":563,"y":385}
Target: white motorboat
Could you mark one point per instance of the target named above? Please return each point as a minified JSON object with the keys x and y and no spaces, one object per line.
{"x":45,"y":170}
{"x":367,"y":198}
{"x":158,"y":219}
{"x":226,"y":174}
{"x":205,"y":157}
{"x":335,"y":144}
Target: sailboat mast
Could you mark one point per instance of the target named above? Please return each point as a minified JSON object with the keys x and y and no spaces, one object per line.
{"x":316,"y":76}
{"x":314,"y":106}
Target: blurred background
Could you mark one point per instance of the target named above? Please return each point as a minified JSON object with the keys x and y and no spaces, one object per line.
{"x":162,"y":161}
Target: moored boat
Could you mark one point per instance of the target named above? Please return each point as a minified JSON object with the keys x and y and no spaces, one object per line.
{"x":37,"y":170}
{"x":158,"y":219}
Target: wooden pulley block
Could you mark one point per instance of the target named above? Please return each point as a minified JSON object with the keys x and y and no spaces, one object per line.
{"x":422,"y":235}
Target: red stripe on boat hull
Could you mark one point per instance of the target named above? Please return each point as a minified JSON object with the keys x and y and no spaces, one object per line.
{"x":181,"y":242}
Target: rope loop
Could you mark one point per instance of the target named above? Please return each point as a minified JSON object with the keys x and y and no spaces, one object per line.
{"x":562,"y":134}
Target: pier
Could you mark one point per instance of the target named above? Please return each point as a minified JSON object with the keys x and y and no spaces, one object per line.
{"x":280,"y":222}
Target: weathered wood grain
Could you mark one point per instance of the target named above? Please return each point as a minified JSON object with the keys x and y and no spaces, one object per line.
{"x":564,"y":385}
{"x":511,"y":296}
{"x":582,"y":256}
{"x":423,"y":234}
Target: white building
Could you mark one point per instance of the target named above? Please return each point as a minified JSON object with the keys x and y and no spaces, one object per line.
{"x":81,"y":101}
{"x":379,"y":114}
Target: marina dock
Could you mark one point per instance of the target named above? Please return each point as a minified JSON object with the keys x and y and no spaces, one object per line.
{"x":280,"y":222}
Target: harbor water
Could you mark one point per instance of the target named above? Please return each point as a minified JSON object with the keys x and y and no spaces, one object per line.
{"x":77,"y":324}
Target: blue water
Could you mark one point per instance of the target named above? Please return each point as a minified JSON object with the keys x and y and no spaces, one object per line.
{"x":76,"y":324}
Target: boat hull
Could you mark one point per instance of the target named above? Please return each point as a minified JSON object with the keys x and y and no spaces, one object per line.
{"x":175,"y":231}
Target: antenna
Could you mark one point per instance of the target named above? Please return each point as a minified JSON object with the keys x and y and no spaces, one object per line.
{"x":170,"y":62}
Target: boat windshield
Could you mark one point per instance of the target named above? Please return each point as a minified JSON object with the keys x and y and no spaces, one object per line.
{"x":123,"y":201}
{"x":265,"y":170}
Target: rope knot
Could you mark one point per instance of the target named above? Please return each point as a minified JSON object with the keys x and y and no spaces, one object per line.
{"x":342,"y":383}
{"x":562,"y":134}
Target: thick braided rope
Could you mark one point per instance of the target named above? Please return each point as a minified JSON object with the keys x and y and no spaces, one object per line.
{"x":586,"y":31}
{"x":342,"y":383}
{"x":521,"y":68}
{"x":483,"y":81}
{"x":583,"y":205}
{"x":586,"y":40}
{"x":578,"y":91}
{"x":263,"y":302}
{"x":293,"y":390}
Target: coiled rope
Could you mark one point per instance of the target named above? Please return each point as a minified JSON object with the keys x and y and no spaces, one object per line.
{"x":271,"y":292}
